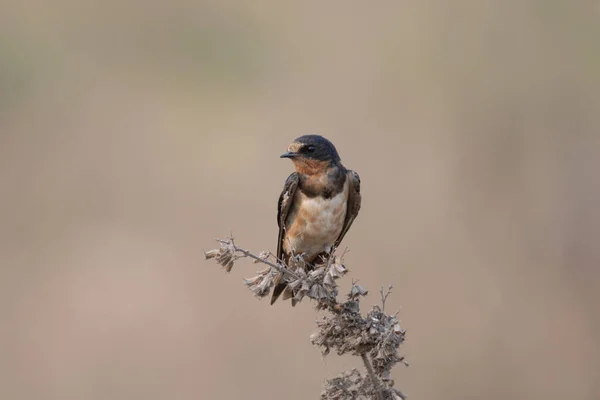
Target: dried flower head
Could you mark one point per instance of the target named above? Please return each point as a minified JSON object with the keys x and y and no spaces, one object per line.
{"x":262,"y":283}
{"x":225,"y":255}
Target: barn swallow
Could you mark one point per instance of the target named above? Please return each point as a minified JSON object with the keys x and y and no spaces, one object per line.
{"x":317,"y":206}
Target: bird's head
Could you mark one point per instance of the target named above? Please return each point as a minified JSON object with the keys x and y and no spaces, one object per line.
{"x":312,"y":154}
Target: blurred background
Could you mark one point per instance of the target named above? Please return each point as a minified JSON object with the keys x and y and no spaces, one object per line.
{"x":133,"y":133}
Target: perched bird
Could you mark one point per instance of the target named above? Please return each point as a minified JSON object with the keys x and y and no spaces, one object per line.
{"x":317,"y":206}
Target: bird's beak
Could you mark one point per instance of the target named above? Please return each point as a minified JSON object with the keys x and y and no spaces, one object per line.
{"x":289,"y":154}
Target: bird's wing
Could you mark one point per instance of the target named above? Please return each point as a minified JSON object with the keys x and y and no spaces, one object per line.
{"x":283,"y":208}
{"x":353,"y":205}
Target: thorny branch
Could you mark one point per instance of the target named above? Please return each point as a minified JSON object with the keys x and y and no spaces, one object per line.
{"x":375,"y":337}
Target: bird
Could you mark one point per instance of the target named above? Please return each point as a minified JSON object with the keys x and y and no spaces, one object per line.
{"x":317,"y":206}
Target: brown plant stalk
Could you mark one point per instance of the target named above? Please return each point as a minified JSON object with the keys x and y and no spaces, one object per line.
{"x":375,"y":338}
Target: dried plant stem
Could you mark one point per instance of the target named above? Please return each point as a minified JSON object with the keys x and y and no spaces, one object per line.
{"x":384,"y":296}
{"x":369,"y":367}
{"x":285,"y":271}
{"x":375,"y":336}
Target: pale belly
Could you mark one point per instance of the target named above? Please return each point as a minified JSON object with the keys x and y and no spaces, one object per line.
{"x":314,"y":224}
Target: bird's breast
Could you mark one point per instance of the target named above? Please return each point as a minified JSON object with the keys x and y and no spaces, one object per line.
{"x":315,"y":223}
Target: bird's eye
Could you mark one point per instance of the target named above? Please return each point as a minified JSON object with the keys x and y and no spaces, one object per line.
{"x":310,"y":149}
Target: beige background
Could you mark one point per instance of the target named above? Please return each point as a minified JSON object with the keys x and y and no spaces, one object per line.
{"x":133,"y":133}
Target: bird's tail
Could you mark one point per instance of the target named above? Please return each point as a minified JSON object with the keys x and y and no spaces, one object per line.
{"x":282,"y":288}
{"x":277,"y":290}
